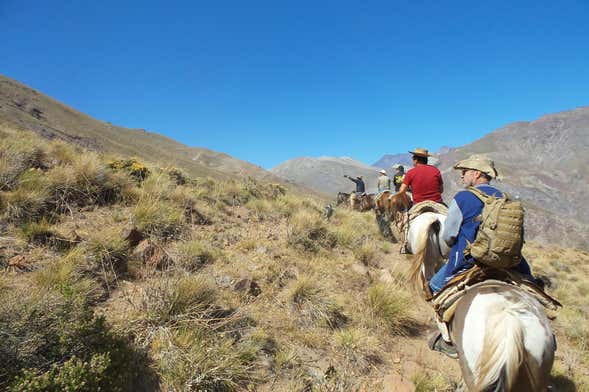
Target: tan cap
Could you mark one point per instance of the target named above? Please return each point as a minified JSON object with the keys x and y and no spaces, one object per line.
{"x":478,"y":162}
{"x":422,"y":152}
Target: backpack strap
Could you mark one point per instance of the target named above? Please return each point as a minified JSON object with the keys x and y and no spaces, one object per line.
{"x":482,"y":196}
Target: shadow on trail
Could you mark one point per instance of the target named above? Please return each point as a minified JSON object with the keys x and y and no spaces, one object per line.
{"x":563,"y":384}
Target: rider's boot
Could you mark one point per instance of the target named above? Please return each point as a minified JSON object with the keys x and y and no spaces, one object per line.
{"x":437,"y":343}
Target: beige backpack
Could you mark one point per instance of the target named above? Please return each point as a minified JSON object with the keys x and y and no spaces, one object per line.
{"x":499,"y":240}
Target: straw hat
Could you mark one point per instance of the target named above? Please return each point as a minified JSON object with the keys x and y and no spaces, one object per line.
{"x":420,"y":152}
{"x":478,"y":162}
{"x":383,"y":171}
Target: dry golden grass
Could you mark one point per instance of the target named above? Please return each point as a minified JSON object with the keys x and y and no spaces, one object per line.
{"x":325,"y":306}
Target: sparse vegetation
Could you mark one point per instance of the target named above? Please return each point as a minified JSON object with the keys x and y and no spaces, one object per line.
{"x":257,"y":289}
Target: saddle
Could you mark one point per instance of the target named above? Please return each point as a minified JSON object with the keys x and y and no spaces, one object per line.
{"x":426,"y":206}
{"x":445,"y":301}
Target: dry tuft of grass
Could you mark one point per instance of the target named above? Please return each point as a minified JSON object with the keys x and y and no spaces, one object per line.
{"x":391,"y":306}
{"x":352,"y":228}
{"x":432,"y":381}
{"x":192,"y":255}
{"x":357,"y":344}
{"x":168,"y":301}
{"x":42,"y":233}
{"x":193,"y":358}
{"x":308,"y":232}
{"x":314,"y":304}
{"x":366,"y":254}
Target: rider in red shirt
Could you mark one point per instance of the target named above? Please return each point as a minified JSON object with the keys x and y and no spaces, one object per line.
{"x":425,"y":180}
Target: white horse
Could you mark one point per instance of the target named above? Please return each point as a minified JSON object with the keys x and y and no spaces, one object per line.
{"x":503,"y":337}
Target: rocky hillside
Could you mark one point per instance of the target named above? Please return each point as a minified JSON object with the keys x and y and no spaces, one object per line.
{"x":24,"y":108}
{"x":326,"y":174}
{"x":543,"y":162}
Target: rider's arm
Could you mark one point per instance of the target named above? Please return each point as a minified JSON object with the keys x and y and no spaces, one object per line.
{"x":403,"y":188}
{"x":452,"y":224}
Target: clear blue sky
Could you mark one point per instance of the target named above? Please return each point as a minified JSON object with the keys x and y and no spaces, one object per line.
{"x":267,"y":81}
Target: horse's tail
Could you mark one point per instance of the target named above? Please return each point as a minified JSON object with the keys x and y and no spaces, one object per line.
{"x":420,"y":252}
{"x":503,"y":350}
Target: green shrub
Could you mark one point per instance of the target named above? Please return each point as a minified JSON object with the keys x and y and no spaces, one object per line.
{"x":133,"y":167}
{"x":84,"y":182}
{"x":30,"y":201}
{"x":354,"y":228}
{"x":261,"y":208}
{"x":428,"y":381}
{"x":18,"y":155}
{"x":287,"y":205}
{"x":366,"y":253}
{"x":73,"y":375}
{"x":50,"y":339}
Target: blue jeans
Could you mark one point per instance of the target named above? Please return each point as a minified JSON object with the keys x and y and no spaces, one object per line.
{"x":439,"y":279}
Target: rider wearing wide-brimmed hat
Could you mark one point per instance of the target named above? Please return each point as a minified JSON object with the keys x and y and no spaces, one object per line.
{"x":461,"y":228}
{"x":424,"y":180}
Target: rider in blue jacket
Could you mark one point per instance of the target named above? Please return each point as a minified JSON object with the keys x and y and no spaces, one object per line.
{"x":461,"y":227}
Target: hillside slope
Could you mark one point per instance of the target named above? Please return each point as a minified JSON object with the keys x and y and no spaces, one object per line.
{"x":543,"y":162}
{"x":326,"y":174}
{"x":116,"y":282}
{"x":22,"y":107}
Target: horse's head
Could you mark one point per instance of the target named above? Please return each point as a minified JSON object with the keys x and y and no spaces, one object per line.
{"x":342,"y":198}
{"x":367,"y":202}
{"x":381,"y":201}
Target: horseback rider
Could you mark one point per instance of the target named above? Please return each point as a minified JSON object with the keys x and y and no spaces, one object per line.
{"x":425,"y":180}
{"x":360,"y":187}
{"x":384,"y":182}
{"x":398,"y":177}
{"x":360,"y":190}
{"x":461,"y":228}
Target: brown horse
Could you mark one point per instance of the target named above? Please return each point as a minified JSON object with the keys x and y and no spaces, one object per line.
{"x":396,"y":211}
{"x":398,"y":203}
{"x":343,"y":198}
{"x":381,"y":202}
{"x":367,"y":202}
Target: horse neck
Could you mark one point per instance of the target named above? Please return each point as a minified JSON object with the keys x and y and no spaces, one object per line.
{"x":423,"y":242}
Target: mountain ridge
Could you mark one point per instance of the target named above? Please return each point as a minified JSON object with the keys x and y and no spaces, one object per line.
{"x":25,"y":108}
{"x":543,"y":162}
